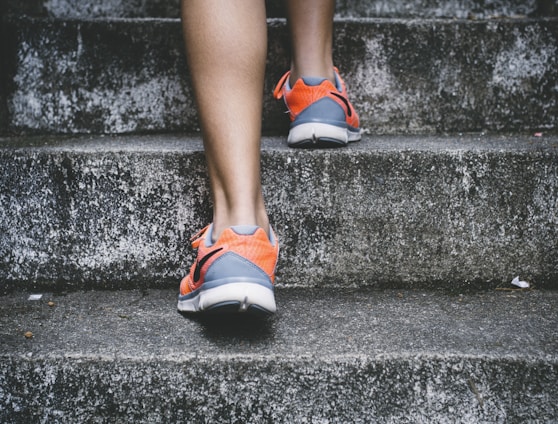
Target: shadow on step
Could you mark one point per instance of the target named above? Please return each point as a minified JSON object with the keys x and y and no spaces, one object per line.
{"x":242,"y":328}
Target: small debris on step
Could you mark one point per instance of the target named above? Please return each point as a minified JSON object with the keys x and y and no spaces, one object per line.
{"x":521,"y":284}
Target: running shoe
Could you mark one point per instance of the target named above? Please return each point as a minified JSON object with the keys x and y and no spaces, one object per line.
{"x":234,"y":274}
{"x":320,"y":112}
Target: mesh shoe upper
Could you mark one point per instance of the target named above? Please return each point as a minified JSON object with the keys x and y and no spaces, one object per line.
{"x":240,"y":252}
{"x":306,"y":100}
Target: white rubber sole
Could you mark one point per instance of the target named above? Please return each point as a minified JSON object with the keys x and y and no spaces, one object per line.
{"x":232,"y":297}
{"x":320,"y":134}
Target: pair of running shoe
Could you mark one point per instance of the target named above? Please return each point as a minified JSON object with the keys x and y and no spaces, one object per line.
{"x":236,"y":273}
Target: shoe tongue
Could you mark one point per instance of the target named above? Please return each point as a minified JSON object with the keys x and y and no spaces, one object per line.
{"x":313,"y":81}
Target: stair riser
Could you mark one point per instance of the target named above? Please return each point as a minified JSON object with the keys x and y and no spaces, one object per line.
{"x":454,"y":390}
{"x":389,"y":217}
{"x":345,"y":8}
{"x":403,"y":76}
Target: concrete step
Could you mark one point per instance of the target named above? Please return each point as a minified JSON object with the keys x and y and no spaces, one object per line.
{"x":404,"y":76}
{"x":117,"y":212}
{"x":344,"y":8}
{"x":338,"y":356}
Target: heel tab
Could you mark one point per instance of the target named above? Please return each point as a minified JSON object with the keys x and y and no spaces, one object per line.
{"x":313,"y":81}
{"x":245,"y":230}
{"x":250,"y":230}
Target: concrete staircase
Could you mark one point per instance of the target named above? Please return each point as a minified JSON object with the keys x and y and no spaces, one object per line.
{"x":394,"y":294}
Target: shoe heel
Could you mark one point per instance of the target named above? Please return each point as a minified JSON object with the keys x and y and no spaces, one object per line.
{"x":317,"y":134}
{"x":238,"y":297}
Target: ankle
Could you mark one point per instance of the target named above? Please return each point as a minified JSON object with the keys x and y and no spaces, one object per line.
{"x":324,"y":71}
{"x":221,"y":224}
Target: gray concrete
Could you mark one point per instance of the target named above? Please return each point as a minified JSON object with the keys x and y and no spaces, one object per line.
{"x":404,"y":76}
{"x":451,"y":213}
{"x":338,"y":357}
{"x":91,"y":212}
{"x":345,"y":8}
{"x":471,"y":9}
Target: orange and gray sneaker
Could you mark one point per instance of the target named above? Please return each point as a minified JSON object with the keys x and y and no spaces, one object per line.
{"x":234,"y":274}
{"x":320,"y":112}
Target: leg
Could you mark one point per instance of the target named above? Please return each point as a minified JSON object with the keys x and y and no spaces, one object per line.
{"x":311,"y":29}
{"x":235,"y":267}
{"x":226,"y":48}
{"x":315,"y":95}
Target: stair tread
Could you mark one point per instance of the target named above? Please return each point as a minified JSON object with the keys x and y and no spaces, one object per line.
{"x":191,"y":142}
{"x":343,"y":356}
{"x":310,"y":325}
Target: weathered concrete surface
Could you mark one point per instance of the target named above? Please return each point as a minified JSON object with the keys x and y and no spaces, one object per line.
{"x":446,"y":8}
{"x":414,"y":76}
{"x":86,"y":205}
{"x":99,"y":77}
{"x":388,"y":211}
{"x":348,"y":356}
{"x":345,"y":8}
{"x":3,"y":80}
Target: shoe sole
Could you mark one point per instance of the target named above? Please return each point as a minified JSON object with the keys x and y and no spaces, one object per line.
{"x":316,"y":134}
{"x":235,"y":297}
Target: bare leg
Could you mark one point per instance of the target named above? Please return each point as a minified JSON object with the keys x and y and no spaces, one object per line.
{"x":320,"y":112}
{"x":311,"y":28}
{"x":226,"y":45}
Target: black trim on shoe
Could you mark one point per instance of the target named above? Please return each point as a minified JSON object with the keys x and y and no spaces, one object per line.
{"x":344,"y":100}
{"x":201,"y":263}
